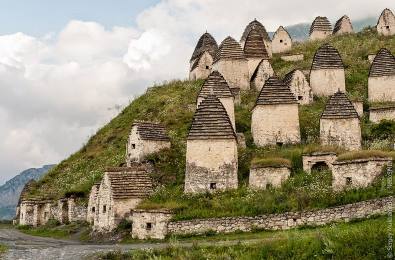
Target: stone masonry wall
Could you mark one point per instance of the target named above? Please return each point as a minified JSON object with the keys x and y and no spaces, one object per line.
{"x":386,"y":24}
{"x":263,"y":72}
{"x":281,"y":42}
{"x":203,"y":69}
{"x":235,"y":72}
{"x":150,"y":224}
{"x":282,"y":221}
{"x":381,"y":89}
{"x":260,"y":177}
{"x":341,"y":132}
{"x":309,"y":160}
{"x":319,"y":35}
{"x":301,"y":89}
{"x":376,"y":115}
{"x":326,"y":82}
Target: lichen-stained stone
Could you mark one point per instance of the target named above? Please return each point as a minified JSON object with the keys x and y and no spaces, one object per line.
{"x":282,"y":41}
{"x":318,"y":158}
{"x":343,"y":26}
{"x":92,"y":210}
{"x":121,"y":189}
{"x":202,"y":58}
{"x":150,"y":224}
{"x":262,"y":73}
{"x":275,"y":117}
{"x":231,"y":62}
{"x":263,"y":177}
{"x":300,"y":87}
{"x":386,"y":23}
{"x":327,"y":72}
{"x":381,"y":82}
{"x":357,"y":173}
{"x":376,"y":114}
{"x":216,"y":85}
{"x":320,"y":29}
{"x":145,"y":138}
{"x":339,"y":123}
{"x":211,"y":156}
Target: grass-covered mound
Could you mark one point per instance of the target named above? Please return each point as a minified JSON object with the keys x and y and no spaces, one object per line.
{"x":365,"y":154}
{"x":275,"y":162}
{"x":173,"y":105}
{"x":361,"y":240}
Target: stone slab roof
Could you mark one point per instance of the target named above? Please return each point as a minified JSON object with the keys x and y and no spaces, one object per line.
{"x":129,"y":182}
{"x":229,"y":49}
{"x":206,"y":43}
{"x":211,"y":121}
{"x":327,"y":57}
{"x":339,"y":23}
{"x":321,"y":23}
{"x":215,"y":85}
{"x":289,"y":77}
{"x":151,"y":131}
{"x":26,"y":190}
{"x":275,"y":92}
{"x":339,"y":107}
{"x":254,"y":46}
{"x":383,"y":64}
{"x":255,"y":24}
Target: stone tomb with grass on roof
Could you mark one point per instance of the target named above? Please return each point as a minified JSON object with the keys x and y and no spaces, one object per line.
{"x":145,"y":138}
{"x":202,"y":58}
{"x":211,"y":155}
{"x":275,"y":116}
{"x":339,"y":123}
{"x":327,"y":72}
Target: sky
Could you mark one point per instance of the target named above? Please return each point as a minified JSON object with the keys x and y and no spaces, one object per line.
{"x":66,"y":67}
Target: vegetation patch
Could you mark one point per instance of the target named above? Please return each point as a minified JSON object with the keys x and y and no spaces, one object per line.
{"x":315,"y":148}
{"x":365,"y":154}
{"x":55,"y":230}
{"x":3,"y":249}
{"x":360,"y":240}
{"x":270,"y":162}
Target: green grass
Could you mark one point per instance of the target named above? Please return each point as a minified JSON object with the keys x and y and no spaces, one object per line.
{"x":359,"y":240}
{"x":3,"y":249}
{"x":75,"y":230}
{"x":173,"y":104}
{"x":270,"y":162}
{"x":365,"y":154}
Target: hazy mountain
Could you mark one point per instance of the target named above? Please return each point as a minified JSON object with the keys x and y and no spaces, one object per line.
{"x":300,"y":32}
{"x":10,"y":191}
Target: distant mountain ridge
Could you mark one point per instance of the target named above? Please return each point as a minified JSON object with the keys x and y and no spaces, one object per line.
{"x":300,"y":32}
{"x":10,"y":191}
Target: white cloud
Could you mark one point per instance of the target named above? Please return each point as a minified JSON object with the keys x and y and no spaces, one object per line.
{"x":57,"y":90}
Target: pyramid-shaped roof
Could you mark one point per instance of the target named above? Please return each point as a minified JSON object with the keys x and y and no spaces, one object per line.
{"x":383,"y":64}
{"x":275,"y":92}
{"x":289,"y":77}
{"x":206,"y":43}
{"x":211,"y":121}
{"x":257,"y":25}
{"x":386,"y":13}
{"x":151,"y":131}
{"x":327,"y":57}
{"x":281,"y":28}
{"x":26,"y":190}
{"x":339,"y":23}
{"x":215,"y":85}
{"x":254,"y":46}
{"x":339,"y":107}
{"x":129,"y":182}
{"x":229,"y":49}
{"x":321,"y":23}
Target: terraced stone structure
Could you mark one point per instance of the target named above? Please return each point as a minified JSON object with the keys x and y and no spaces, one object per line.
{"x":386,"y":23}
{"x":339,"y":123}
{"x":296,"y":81}
{"x":231,"y":62}
{"x":320,"y":29}
{"x":145,"y":138}
{"x":262,"y":31}
{"x":275,"y":116}
{"x":211,"y":156}
{"x":343,"y":26}
{"x":202,"y":58}
{"x":121,"y":189}
{"x":282,"y":41}
{"x":216,"y":85}
{"x":93,"y":207}
{"x":357,"y":173}
{"x":381,"y":82}
{"x":327,"y":72}
{"x":254,"y":51}
{"x":318,"y":161}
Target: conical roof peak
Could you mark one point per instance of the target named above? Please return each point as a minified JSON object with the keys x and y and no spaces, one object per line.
{"x":275,"y":92}
{"x":215,"y":85}
{"x":229,"y":49}
{"x":321,"y":23}
{"x":383,"y":64}
{"x":257,"y":25}
{"x":211,"y":121}
{"x":339,"y":107}
{"x":206,"y":43}
{"x":327,"y":57}
{"x":254,"y":46}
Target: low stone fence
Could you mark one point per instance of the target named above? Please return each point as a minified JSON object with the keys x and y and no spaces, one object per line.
{"x":282,"y":221}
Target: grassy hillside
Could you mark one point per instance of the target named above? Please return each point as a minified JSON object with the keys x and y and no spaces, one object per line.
{"x":173,"y":104}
